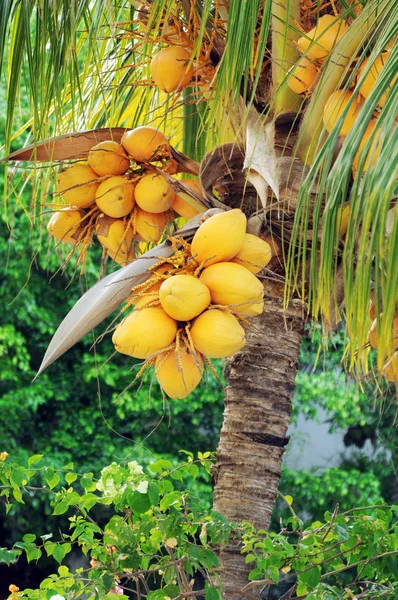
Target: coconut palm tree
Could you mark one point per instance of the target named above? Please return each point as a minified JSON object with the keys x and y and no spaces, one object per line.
{"x":334,"y":229}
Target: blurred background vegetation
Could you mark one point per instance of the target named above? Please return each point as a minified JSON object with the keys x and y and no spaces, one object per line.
{"x":75,"y":411}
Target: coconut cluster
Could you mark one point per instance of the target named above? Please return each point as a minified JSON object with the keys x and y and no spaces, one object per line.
{"x":315,"y":46}
{"x":390,"y":368}
{"x":119,"y":195}
{"x":192,"y":306}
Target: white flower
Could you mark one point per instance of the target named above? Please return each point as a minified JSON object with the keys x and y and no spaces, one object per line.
{"x":135,"y":468}
{"x":142,"y":487}
{"x":57,"y":597}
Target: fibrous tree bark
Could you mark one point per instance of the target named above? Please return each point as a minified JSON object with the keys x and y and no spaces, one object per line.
{"x":256,"y":417}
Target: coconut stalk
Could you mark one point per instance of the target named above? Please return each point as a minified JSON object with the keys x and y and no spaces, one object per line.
{"x":284,"y":53}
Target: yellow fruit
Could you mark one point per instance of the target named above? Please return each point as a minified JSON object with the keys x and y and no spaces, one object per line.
{"x":162,"y":273}
{"x":184,"y":297}
{"x":234,"y":286}
{"x":219,"y":238}
{"x":144,"y":332}
{"x":153,"y":194}
{"x":335,"y":106}
{"x":303,"y":76}
{"x":78,"y":185}
{"x":115,"y":197}
{"x":371,"y":78}
{"x":66,"y":225}
{"x":114,"y":234}
{"x":390,"y":369}
{"x":179,"y":373}
{"x":143,"y":143}
{"x":170,"y":68}
{"x":150,"y":226}
{"x":217,"y":334}
{"x":374,"y":149}
{"x":122,"y":257}
{"x":374,"y":336}
{"x":343,"y":216}
{"x":108,"y":158}
{"x":143,"y":301}
{"x":254,"y":254}
{"x":317,"y":43}
{"x":183,"y":207}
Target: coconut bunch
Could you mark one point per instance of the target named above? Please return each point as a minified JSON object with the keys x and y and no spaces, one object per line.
{"x":120,"y":195}
{"x":192,"y":306}
{"x":315,"y":46}
{"x":390,"y":367}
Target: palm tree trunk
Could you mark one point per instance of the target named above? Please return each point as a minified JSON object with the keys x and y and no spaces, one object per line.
{"x":256,"y":417}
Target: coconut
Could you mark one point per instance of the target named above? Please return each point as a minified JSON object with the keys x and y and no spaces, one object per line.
{"x":390,"y":369}
{"x":183,"y":207}
{"x":317,"y":43}
{"x":153,"y":194}
{"x":114,"y":234}
{"x":254,"y":254}
{"x":122,"y":257}
{"x":302,"y":76}
{"x":115,"y":197}
{"x":220,"y":237}
{"x":371,"y":78}
{"x":163,"y":272}
{"x":144,"y":332}
{"x":234,"y":286}
{"x":144,"y":143}
{"x":217,"y":334}
{"x":374,"y":149}
{"x":108,"y":158}
{"x":170,"y":68}
{"x":66,"y":225}
{"x":179,"y":373}
{"x":78,"y":185}
{"x":335,"y":106}
{"x":374,"y":336}
{"x":143,"y":301}
{"x":150,"y":226}
{"x":184,"y":297}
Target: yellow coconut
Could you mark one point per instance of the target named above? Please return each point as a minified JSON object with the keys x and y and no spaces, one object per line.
{"x":78,"y":185}
{"x":153,"y":194}
{"x":217,"y":334}
{"x":144,"y":143}
{"x":66,"y":225}
{"x":317,"y":43}
{"x":302,"y":76}
{"x":374,"y":335}
{"x":108,"y":158}
{"x":184,"y":297}
{"x":144,"y":332}
{"x":371,"y":78}
{"x":343,"y":216}
{"x":234,"y":286}
{"x":122,"y":257}
{"x":254,"y":254}
{"x":170,"y":68}
{"x":183,"y":207}
{"x":335,"y":106}
{"x":114,"y":234}
{"x":115,"y":196}
{"x":150,"y":226}
{"x":179,"y":373}
{"x":374,"y":149}
{"x":219,"y":238}
{"x":160,"y":275}
{"x":149,"y":298}
{"x":390,"y":369}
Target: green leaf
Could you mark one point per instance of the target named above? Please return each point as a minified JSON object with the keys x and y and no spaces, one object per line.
{"x":17,"y":477}
{"x":33,"y":553}
{"x":16,"y":492}
{"x":160,"y":465}
{"x":8,"y":556}
{"x":302,"y":589}
{"x":59,"y":552}
{"x":139,"y":503}
{"x":52,"y":479}
{"x":153,"y":493}
{"x":311,"y":577}
{"x":33,"y":460}
{"x":212,"y":593}
{"x":70,"y":477}
{"x":29,"y":538}
{"x":61,"y":508}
